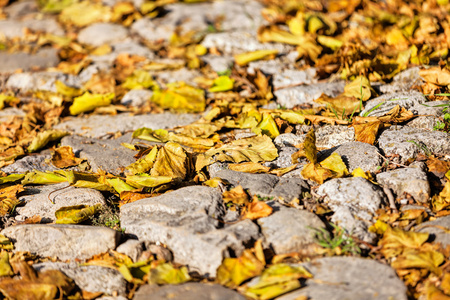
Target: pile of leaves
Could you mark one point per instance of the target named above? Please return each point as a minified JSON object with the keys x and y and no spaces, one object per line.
{"x":357,"y":40}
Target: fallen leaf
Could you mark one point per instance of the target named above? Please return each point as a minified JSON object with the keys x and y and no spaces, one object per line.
{"x":180,"y":97}
{"x":243,"y":59}
{"x":254,"y":149}
{"x":76,"y":214}
{"x":171,"y":161}
{"x":84,"y":13}
{"x":257,"y":209}
{"x":222,"y":84}
{"x":64,"y":157}
{"x":248,"y":167}
{"x":236,"y":195}
{"x":276,"y":280}
{"x":88,"y":102}
{"x":233,"y":271}
{"x":436,"y":75}
{"x":166,"y":273}
{"x":366,"y":132}
{"x":45,"y":137}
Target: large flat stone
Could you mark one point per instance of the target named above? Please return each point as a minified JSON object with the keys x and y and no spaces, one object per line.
{"x":350,"y":278}
{"x":100,"y":126}
{"x":381,"y":105}
{"x":438,"y":229}
{"x":197,"y":16}
{"x":306,"y":94}
{"x":354,"y":202}
{"x":404,"y":143}
{"x":102,"y":33}
{"x":107,"y":155}
{"x":187,"y":291}
{"x":186,"y":220}
{"x":289,"y":229}
{"x":67,"y":242}
{"x":92,"y":279}
{"x":356,"y":155}
{"x":42,"y":81}
{"x":44,"y":58}
{"x":266,"y":185}
{"x":413,"y":181}
{"x":37,"y":201}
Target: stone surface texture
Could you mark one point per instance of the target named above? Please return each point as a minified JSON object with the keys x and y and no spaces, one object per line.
{"x":73,"y":241}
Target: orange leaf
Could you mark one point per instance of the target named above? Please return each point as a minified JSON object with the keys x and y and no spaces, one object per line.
{"x":257,"y":209}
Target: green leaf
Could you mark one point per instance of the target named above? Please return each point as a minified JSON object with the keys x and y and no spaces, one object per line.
{"x":11,"y":178}
{"x":76,"y":214}
{"x":38,"y":177}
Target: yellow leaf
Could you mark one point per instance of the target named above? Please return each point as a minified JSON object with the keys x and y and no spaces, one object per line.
{"x":254,"y":149}
{"x":275,"y":34}
{"x":396,"y":38}
{"x":276,"y":280}
{"x":5,"y":267}
{"x":85,"y":13}
{"x":429,"y":260}
{"x":88,"y":102}
{"x":180,"y":97}
{"x":141,"y":181}
{"x":249,"y":167}
{"x":316,"y":173}
{"x":67,"y":91}
{"x":245,"y":58}
{"x":436,"y":75}
{"x":166,"y":274}
{"x":342,"y":104}
{"x":76,"y":214}
{"x":330,"y":42}
{"x":45,"y":137}
{"x":358,"y":172}
{"x":395,"y":240}
{"x":38,"y":177}
{"x":222,"y":84}
{"x":236,"y":195}
{"x":119,"y":185}
{"x":5,"y":243}
{"x":233,"y":271}
{"x":359,"y":88}
{"x":268,"y":126}
{"x":335,"y":164}
{"x":11,"y":178}
{"x":171,"y":161}
{"x":140,"y":79}
{"x":144,"y":164}
{"x":309,"y":146}
{"x":54,"y":6}
{"x":8,"y":99}
{"x":397,"y":115}
{"x":64,"y":157}
{"x":366,"y":132}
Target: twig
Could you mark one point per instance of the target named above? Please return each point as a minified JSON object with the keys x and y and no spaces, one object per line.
{"x":385,"y":158}
{"x":390,"y":196}
{"x":56,"y":191}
